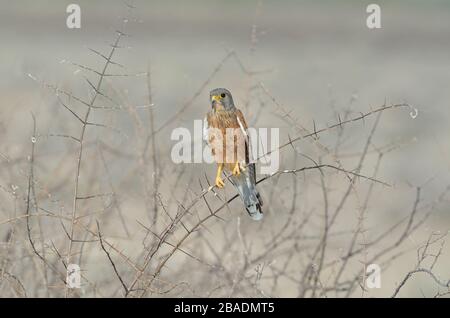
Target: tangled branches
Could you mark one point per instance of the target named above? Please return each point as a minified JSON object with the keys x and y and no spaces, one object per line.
{"x":101,"y":192}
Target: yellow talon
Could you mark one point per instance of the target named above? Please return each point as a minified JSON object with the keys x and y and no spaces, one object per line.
{"x":219,"y":181}
{"x":236,"y":169}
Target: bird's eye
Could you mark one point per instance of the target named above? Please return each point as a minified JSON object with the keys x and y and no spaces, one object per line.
{"x":222,"y":95}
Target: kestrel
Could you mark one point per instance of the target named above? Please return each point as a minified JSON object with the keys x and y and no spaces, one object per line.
{"x":225,"y":131}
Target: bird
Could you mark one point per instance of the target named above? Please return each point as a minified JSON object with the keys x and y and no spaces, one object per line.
{"x":226,"y":133}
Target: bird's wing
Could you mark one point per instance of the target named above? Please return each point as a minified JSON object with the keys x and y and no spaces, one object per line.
{"x":245,"y":183}
{"x":244,"y":129}
{"x":242,"y":122}
{"x":248,"y":160}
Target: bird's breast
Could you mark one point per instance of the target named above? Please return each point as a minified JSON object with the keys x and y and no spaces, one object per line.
{"x":223,"y":119}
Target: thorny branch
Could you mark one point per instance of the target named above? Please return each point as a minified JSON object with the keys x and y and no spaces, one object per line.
{"x":306,"y":245}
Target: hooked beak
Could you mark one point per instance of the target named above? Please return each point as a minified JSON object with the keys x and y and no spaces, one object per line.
{"x":215,"y":98}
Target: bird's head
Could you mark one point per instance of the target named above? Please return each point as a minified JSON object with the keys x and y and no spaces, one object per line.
{"x":221,"y":99}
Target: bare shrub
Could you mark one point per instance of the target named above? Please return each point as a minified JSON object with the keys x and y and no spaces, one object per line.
{"x":97,"y":188}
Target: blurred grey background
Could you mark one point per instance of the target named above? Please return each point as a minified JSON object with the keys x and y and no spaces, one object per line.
{"x":316,"y":49}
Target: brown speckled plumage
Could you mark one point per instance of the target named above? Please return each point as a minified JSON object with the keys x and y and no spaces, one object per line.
{"x":223,"y":120}
{"x":228,"y":139}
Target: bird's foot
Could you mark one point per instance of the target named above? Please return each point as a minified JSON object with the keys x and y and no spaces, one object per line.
{"x":219,"y":182}
{"x":236,"y":169}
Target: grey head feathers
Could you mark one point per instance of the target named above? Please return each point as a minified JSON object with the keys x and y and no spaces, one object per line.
{"x":221,"y":98}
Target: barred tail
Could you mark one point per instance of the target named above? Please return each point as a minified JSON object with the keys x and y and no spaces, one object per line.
{"x":249,"y":195}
